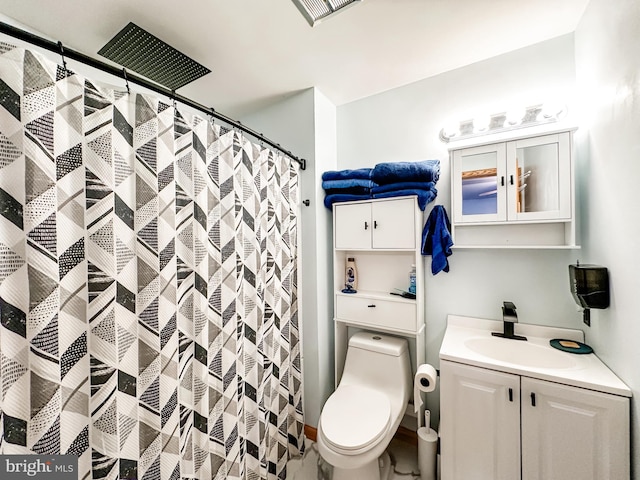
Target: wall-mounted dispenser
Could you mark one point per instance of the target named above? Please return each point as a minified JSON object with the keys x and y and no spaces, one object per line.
{"x":589,"y":287}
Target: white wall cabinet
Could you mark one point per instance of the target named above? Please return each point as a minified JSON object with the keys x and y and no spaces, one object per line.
{"x":497,"y":425}
{"x":383,"y":236}
{"x":517,"y":193}
{"x":388,"y":224}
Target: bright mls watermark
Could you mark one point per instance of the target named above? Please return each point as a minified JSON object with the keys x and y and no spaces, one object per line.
{"x":38,"y":467}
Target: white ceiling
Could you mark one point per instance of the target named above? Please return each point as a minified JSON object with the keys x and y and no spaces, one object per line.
{"x":260,"y":51}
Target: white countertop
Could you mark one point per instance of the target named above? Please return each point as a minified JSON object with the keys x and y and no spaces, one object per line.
{"x":585,"y":370}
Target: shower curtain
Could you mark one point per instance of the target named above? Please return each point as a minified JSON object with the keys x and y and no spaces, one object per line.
{"x":148,"y":302}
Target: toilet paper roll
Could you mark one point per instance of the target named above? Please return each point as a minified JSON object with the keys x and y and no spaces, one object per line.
{"x":424,"y":381}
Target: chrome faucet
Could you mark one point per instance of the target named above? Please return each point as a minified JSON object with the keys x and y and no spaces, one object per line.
{"x":509,"y":317}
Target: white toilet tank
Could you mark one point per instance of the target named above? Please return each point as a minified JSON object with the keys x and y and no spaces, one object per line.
{"x":380,"y":362}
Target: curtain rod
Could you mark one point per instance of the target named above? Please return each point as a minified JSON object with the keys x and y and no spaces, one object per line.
{"x":127,"y":76}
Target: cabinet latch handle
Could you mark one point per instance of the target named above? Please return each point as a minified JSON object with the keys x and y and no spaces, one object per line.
{"x":511,"y":394}
{"x":511,"y":179}
{"x":371,"y":306}
{"x":502,"y":181}
{"x":533,"y":399}
{"x":375,"y":224}
{"x":366,"y":225}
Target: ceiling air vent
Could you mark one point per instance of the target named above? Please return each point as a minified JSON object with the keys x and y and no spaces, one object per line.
{"x":316,"y":10}
{"x":145,"y":54}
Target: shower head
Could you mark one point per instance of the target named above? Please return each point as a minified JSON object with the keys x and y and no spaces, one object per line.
{"x":145,"y":54}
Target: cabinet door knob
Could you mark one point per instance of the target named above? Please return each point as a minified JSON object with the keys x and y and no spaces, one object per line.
{"x":371,"y":306}
{"x":533,"y":399}
{"x":511,"y":394}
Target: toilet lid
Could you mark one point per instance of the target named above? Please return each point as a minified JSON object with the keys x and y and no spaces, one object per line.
{"x":355,"y":416}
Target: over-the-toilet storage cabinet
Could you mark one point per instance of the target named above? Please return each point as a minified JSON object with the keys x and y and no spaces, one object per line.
{"x":383,"y":236}
{"x":502,"y":426}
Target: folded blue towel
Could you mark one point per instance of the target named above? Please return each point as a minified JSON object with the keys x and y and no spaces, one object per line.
{"x":436,"y":239}
{"x":350,"y":190}
{"x":404,"y":186}
{"x":347,"y":183}
{"x":424,"y":196}
{"x":424,"y":171}
{"x":362,"y":173}
{"x":329,"y":200}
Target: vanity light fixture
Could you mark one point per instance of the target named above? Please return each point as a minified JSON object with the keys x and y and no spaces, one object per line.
{"x":317,"y":10}
{"x":502,"y":122}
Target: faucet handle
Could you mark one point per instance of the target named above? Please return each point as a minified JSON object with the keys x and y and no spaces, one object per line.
{"x":508,"y":308}
{"x":509,"y":317}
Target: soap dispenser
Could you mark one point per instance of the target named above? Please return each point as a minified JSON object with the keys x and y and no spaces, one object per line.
{"x":589,"y":287}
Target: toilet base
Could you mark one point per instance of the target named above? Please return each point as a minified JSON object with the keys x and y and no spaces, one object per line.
{"x":378,"y":469}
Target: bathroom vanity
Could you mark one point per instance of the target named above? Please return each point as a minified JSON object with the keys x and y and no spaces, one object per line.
{"x":523,"y":409}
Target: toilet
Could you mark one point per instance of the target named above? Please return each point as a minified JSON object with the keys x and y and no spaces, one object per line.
{"x":360,"y":418}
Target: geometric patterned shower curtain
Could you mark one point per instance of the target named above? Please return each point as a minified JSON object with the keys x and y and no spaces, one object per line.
{"x":148,"y":302}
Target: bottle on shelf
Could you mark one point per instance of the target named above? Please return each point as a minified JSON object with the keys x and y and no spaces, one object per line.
{"x":351,"y":275}
{"x":412,"y":280}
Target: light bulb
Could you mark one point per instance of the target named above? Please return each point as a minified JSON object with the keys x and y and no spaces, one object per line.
{"x":551,"y":110}
{"x":481,"y":123}
{"x":451,"y":129}
{"x":515,"y":115}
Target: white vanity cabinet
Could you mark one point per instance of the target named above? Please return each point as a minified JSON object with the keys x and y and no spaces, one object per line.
{"x":497,"y":425}
{"x":570,"y":432}
{"x":515,"y":193}
{"x":479,"y":423}
{"x":383,"y":237}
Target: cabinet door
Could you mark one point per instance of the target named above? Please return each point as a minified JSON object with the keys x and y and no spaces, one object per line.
{"x":352,"y":226}
{"x":479,"y":423}
{"x":539,"y":178}
{"x":394,"y":223}
{"x":570,"y":432}
{"x":479,"y":184}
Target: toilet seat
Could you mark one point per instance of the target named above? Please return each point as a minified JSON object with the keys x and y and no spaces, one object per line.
{"x":354,"y":417}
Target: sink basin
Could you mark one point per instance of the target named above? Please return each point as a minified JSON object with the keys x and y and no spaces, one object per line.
{"x":519,"y":352}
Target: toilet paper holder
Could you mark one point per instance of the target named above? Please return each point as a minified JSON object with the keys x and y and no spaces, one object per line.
{"x":425,"y":381}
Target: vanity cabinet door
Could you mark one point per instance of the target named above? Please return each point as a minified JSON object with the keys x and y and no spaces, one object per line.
{"x":479,"y":184}
{"x":479,"y":423}
{"x":570,"y":432}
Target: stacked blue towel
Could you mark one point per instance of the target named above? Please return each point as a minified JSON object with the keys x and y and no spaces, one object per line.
{"x":424,"y":196}
{"x":393,"y":172}
{"x":347,"y":185}
{"x":394,"y":179}
{"x":407,"y":178}
{"x":361,"y":173}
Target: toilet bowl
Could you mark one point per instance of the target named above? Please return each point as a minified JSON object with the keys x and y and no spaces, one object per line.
{"x":360,"y":418}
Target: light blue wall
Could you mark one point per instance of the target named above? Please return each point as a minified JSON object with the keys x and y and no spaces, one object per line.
{"x":306,"y":124}
{"x":403,"y":125}
{"x":608,"y":74}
